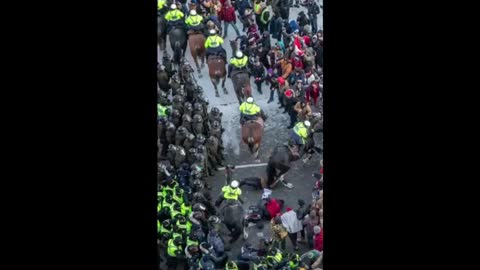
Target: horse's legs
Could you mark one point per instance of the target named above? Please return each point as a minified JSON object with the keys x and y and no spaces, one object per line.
{"x":196,"y":65}
{"x":215,"y":86}
{"x":223,"y":85}
{"x":202,"y":57}
{"x":255,"y":153}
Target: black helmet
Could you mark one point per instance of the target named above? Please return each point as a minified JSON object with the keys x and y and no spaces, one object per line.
{"x":205,"y":246}
{"x":193,"y":236}
{"x":192,"y":151}
{"x":181,"y":219}
{"x":198,"y":156}
{"x":176,"y":206}
{"x":214,"y":219}
{"x":201,"y":148}
{"x":188,"y":106}
{"x":162,"y":94}
{"x":182,"y":130}
{"x":200,"y":138}
{"x":178,"y":98}
{"x":171,"y":169}
{"x":167,"y":223}
{"x":170,"y":125}
{"x":198,"y":184}
{"x":199,"y":207}
{"x":175,"y":113}
{"x":215,"y":110}
{"x":197,"y":118}
{"x":197,"y":215}
{"x":216,"y":124}
{"x":178,"y":240}
{"x":197,"y":106}
{"x":171,"y":147}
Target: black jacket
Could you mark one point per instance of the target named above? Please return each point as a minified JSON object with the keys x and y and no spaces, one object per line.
{"x":258,"y":71}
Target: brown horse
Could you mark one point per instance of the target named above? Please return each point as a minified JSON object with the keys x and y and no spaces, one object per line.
{"x":241,"y":85}
{"x":252,"y":132}
{"x":196,"y":42}
{"x":217,"y":71}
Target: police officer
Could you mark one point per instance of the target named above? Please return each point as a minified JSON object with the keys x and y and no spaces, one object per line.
{"x":213,"y":44}
{"x":175,"y":252}
{"x":174,"y":17}
{"x":239,"y":62}
{"x":230,"y":192}
{"x":194,"y":21}
{"x":299,"y":136}
{"x":249,"y":111}
{"x":162,"y":110}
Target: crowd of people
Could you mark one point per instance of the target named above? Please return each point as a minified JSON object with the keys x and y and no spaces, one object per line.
{"x":190,"y":147}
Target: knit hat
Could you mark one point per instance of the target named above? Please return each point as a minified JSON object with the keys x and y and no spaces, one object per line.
{"x":289,"y":209}
{"x":316,"y":229}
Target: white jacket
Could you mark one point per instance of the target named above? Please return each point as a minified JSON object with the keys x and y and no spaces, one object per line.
{"x":291,"y":222}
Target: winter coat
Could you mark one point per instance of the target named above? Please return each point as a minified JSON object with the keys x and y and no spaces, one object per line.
{"x":228,"y":14}
{"x":318,"y":241}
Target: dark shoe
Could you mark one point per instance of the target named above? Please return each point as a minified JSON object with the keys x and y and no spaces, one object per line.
{"x":289,"y":127}
{"x":270,"y":100}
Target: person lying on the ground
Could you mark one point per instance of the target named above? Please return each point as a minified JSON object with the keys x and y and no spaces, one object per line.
{"x":272,"y":207}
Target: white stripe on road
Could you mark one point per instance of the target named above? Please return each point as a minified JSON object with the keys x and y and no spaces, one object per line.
{"x":246,"y":166}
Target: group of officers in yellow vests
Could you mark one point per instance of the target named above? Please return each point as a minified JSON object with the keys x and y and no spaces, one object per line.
{"x":213,"y":43}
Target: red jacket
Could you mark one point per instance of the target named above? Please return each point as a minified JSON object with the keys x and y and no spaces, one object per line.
{"x":273,"y":208}
{"x":318,"y":241}
{"x":297,"y":63}
{"x":228,"y":14}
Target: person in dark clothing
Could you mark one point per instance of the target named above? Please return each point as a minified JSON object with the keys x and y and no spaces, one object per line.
{"x":265,"y":41}
{"x":262,"y":54}
{"x":313,"y":11}
{"x":290,"y":102}
{"x":258,"y":73}
{"x":302,"y":19}
{"x":276,"y":27}
{"x":284,"y":9}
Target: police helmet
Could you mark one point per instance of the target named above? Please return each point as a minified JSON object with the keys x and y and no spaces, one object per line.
{"x":214,"y":219}
{"x":173,"y":6}
{"x":216,"y":124}
{"x":182,"y":130}
{"x":167,"y":223}
{"x":178,"y":240}
{"x":238,"y":54}
{"x":200,"y":138}
{"x":250,"y":100}
{"x":212,"y":32}
{"x":199,"y":207}
{"x":201,"y":148}
{"x":197,"y":118}
{"x":193,"y":12}
{"x":307,"y":123}
{"x":234,"y":184}
{"x":215,"y":110}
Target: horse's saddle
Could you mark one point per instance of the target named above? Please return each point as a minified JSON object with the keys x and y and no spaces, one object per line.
{"x":238,"y":71}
